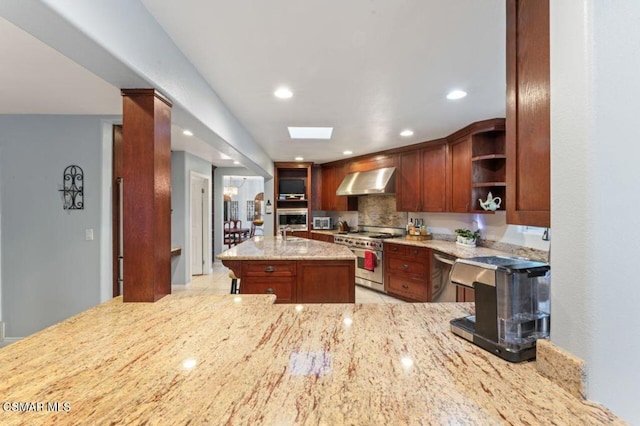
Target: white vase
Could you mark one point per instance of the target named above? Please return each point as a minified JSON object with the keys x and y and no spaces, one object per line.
{"x":466,"y":242}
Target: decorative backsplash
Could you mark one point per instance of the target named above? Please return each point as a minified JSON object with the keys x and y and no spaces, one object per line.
{"x":380,"y":210}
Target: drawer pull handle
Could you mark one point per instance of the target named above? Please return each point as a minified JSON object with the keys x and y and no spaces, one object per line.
{"x":269,"y":269}
{"x":406,"y":287}
{"x":394,"y":248}
{"x":269,"y":291}
{"x":405,"y":267}
{"x":416,"y":252}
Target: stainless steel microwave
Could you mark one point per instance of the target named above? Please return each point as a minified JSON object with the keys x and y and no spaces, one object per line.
{"x":295,"y":219}
{"x":322,"y":223}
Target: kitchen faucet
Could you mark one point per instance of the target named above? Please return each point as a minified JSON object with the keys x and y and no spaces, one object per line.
{"x":284,"y":230}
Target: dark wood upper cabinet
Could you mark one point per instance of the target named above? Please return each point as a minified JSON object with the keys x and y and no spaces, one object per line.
{"x":434,"y":171}
{"x":372,"y":162}
{"x":409,"y":182}
{"x":420,"y":179}
{"x":331,"y":179}
{"x":460,"y":160}
{"x":528,"y":113}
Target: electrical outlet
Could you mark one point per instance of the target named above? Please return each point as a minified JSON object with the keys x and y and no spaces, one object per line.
{"x":88,"y":234}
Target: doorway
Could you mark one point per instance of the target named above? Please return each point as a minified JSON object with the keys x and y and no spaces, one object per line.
{"x":199,"y":223}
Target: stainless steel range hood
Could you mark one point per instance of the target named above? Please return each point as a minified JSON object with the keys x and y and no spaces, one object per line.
{"x":379,"y":181}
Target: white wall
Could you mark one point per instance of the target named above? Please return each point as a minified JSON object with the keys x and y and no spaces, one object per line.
{"x":248,"y":188}
{"x":595,"y":178}
{"x":218,"y":185}
{"x":120,"y":42}
{"x":493,"y":227}
{"x":50,"y":271}
{"x":182,"y":165}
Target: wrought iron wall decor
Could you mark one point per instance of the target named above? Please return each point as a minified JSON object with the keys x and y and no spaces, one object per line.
{"x":73,"y":188}
{"x":251,"y":210}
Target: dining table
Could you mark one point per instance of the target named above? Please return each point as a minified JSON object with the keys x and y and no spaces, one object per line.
{"x":235,"y":235}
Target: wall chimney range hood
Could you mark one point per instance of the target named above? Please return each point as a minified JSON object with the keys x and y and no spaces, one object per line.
{"x":379,"y":181}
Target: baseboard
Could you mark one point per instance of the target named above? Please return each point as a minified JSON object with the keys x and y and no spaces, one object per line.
{"x":9,"y":340}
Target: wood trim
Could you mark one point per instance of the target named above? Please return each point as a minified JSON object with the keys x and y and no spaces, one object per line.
{"x":147,"y":92}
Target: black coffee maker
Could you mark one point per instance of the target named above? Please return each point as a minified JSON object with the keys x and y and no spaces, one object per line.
{"x":511,"y":301}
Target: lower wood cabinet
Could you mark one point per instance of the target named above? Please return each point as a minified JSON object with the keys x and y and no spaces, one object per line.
{"x":326,"y":282}
{"x":407,"y":272}
{"x":270,"y":277}
{"x":298,"y":281}
{"x":283,"y":288}
{"x":301,"y":234}
{"x":464,"y":294}
{"x":322,"y":237}
{"x":407,"y":287}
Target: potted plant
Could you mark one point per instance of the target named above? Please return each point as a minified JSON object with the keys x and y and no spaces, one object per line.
{"x":466,"y":237}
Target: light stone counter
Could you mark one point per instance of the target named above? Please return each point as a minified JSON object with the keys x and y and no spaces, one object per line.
{"x":204,"y":359}
{"x":325,"y":231}
{"x":450,"y":247}
{"x":294,"y":248}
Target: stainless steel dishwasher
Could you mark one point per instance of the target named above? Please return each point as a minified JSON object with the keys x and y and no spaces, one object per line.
{"x":443,"y":289}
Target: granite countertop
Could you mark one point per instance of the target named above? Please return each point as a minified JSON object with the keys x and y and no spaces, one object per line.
{"x":293,"y":248}
{"x":200,"y":358}
{"x":325,"y":231}
{"x":449,"y":247}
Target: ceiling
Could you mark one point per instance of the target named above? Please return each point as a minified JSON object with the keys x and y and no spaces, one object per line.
{"x":368,"y":68}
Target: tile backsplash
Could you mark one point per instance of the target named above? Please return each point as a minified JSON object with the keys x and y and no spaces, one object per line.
{"x":380,"y":210}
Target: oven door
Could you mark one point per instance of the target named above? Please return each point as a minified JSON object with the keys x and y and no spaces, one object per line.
{"x":369,"y":277}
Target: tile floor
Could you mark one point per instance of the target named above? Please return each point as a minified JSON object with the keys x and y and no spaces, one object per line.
{"x":218,"y":282}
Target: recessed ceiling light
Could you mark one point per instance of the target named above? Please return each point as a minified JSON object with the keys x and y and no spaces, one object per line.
{"x":283,"y":93}
{"x":456,"y":94}
{"x":347,"y":152}
{"x":406,"y":133}
{"x":310,"y":132}
{"x":224,"y":157}
{"x":299,"y":158}
{"x":187,"y":132}
{"x":236,"y":162}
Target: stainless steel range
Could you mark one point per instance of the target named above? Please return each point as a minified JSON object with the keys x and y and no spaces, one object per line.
{"x":366,"y":244}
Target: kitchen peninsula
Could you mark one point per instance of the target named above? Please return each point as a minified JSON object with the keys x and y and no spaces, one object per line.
{"x":198,"y":358}
{"x":296,"y":270}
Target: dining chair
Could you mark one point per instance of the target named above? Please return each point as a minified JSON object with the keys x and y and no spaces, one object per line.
{"x":229,"y":238}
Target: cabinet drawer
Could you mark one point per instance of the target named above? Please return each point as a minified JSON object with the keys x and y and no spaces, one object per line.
{"x":395,"y":249}
{"x":405,"y":264}
{"x":283,"y":288}
{"x":405,"y":250}
{"x":269,"y":268}
{"x":407,"y":286}
{"x":418,"y":253}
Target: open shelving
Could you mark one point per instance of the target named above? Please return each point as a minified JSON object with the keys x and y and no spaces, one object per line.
{"x":488,"y":168}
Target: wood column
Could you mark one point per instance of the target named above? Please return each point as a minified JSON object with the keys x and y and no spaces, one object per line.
{"x":146,"y":200}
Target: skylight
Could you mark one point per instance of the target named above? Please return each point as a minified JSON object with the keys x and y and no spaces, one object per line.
{"x":310,"y":132}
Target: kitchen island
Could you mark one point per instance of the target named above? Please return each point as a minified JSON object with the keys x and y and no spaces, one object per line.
{"x":296,"y":270}
{"x":198,"y":358}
